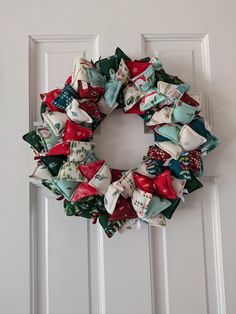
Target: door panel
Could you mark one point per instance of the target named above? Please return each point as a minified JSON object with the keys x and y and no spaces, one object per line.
{"x":153,"y":270}
{"x":53,"y":264}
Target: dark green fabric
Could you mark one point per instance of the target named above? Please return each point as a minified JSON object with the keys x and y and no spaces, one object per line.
{"x":168,"y":212}
{"x":193,"y":184}
{"x":145,"y":59}
{"x":34,"y":140}
{"x":162,"y":76}
{"x":120,"y":55}
{"x":43,"y":109}
{"x":54,"y":163}
{"x":87,"y":207}
{"x":109,"y":227}
{"x":106,"y":65}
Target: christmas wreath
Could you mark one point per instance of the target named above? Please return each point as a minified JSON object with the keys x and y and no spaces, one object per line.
{"x":65,"y":154}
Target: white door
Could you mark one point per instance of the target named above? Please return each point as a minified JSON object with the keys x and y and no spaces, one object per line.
{"x":53,"y":264}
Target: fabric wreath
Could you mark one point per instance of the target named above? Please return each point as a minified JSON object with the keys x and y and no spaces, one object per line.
{"x":66,"y":160}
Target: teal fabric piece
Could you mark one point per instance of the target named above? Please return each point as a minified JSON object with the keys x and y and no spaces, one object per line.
{"x":156,"y":206}
{"x":180,"y":167}
{"x":65,"y":97}
{"x":212,"y":143}
{"x":96,"y":79}
{"x":183,"y":113}
{"x":170,"y":131}
{"x":111,"y":91}
{"x":91,"y":157}
{"x":198,"y":126}
{"x":156,"y":63}
{"x":154,"y":167}
{"x":50,"y":185}
{"x":66,"y":188}
{"x":145,"y":80}
{"x":183,"y":88}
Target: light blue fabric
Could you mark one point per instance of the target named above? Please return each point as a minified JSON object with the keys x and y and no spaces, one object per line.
{"x":112,"y":90}
{"x":66,"y":188}
{"x":170,"y":131}
{"x":183,"y":113}
{"x":155,"y":207}
{"x":96,"y":79}
{"x":145,"y":80}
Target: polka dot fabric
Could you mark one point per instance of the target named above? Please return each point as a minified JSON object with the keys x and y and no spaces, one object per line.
{"x":65,"y":155}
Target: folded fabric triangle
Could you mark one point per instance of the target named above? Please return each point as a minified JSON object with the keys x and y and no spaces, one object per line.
{"x":89,"y":170}
{"x":59,"y":149}
{"x":69,"y":171}
{"x":66,"y":188}
{"x":75,"y":132}
{"x":123,"y":210}
{"x":54,"y":163}
{"x":83,"y":190}
{"x":56,"y":120}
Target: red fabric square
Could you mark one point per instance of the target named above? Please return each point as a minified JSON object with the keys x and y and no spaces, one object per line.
{"x":85,"y":90}
{"x":195,"y":160}
{"x":157,"y":153}
{"x":91,"y":108}
{"x":136,"y":67}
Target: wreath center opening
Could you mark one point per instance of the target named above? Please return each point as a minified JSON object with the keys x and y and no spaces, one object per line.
{"x":121,"y":141}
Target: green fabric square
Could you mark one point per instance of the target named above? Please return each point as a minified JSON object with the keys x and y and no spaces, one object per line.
{"x":107,"y":66}
{"x":54,"y":163}
{"x":169,"y":211}
{"x":193,"y":184}
{"x":34,"y":140}
{"x":163,"y":76}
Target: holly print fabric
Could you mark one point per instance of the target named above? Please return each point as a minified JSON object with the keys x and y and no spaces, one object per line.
{"x":67,"y":163}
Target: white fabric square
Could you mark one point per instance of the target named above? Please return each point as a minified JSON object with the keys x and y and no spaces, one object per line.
{"x":162,"y":116}
{"x":189,"y":139}
{"x":102,"y":179}
{"x":173,"y":149}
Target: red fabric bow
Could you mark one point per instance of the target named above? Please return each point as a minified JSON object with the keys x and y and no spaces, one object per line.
{"x":161,"y":185}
